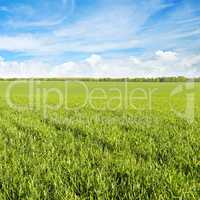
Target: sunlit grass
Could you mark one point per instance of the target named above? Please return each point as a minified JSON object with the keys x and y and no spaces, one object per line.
{"x":108,"y":149}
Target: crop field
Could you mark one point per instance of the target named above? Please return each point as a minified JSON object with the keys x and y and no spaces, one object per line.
{"x":99,"y":140}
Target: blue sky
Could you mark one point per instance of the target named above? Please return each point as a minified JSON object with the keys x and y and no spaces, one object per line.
{"x":98,"y":38}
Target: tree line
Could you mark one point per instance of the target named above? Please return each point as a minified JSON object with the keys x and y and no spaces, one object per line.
{"x":157,"y":79}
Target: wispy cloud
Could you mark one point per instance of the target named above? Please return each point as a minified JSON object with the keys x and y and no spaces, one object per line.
{"x":37,"y":14}
{"x":162,"y":30}
{"x":115,"y":29}
{"x":21,"y":43}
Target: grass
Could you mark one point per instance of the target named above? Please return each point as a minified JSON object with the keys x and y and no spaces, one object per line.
{"x":132,"y":147}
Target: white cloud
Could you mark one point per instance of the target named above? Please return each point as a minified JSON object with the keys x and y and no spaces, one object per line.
{"x":97,"y":66}
{"x":109,"y":27}
{"x":68,"y":69}
{"x":166,"y":55}
{"x":10,"y":69}
{"x":94,"y":60}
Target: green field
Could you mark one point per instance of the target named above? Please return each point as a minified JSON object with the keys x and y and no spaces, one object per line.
{"x":99,"y":140}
